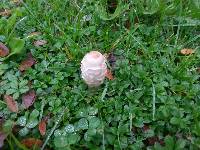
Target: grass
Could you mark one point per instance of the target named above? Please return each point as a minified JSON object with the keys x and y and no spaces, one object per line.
{"x":153,"y":101}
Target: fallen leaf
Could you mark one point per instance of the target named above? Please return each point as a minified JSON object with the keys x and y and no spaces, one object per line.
{"x":28,"y":98}
{"x":6,"y":12}
{"x":42,"y":127}
{"x":31,"y":142}
{"x":161,"y":142}
{"x":145,"y":128}
{"x":4,"y":51}
{"x":187,"y":51}
{"x":40,"y":43}
{"x":151,"y":140}
{"x":109,"y":75}
{"x":2,"y":138}
{"x":11,"y":103}
{"x":27,"y":63}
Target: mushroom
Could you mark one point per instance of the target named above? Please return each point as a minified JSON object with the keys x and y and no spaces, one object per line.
{"x":93,"y":68}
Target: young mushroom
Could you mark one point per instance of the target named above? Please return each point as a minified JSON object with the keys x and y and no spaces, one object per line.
{"x":93,"y":68}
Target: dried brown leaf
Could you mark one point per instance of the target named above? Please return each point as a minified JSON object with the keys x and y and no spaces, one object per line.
{"x":187,"y":51}
{"x":145,"y":128}
{"x":40,"y":43}
{"x":4,"y":51}
{"x":5,"y":12}
{"x":109,"y":75}
{"x":28,"y":98}
{"x":152,"y":140}
{"x":42,"y":127}
{"x":11,"y":103}
{"x":32,"y":142}
{"x":27,"y":63}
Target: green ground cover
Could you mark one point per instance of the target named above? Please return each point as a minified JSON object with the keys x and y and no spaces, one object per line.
{"x":153,"y":102}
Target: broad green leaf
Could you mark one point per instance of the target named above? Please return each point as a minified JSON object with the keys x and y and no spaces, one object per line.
{"x":92,"y":111}
{"x":14,"y":84}
{"x":13,"y":20}
{"x":11,"y":23}
{"x":82,"y":113}
{"x":8,"y":125}
{"x":21,"y":121}
{"x":152,"y":7}
{"x":10,"y":91}
{"x":73,"y":138}
{"x":3,"y":23}
{"x":16,"y":95}
{"x":57,"y":133}
{"x":169,"y":142}
{"x":175,"y":121}
{"x":11,"y":77}
{"x":196,"y":129}
{"x":34,"y":114}
{"x":110,"y":138}
{"x":61,"y":141}
{"x":69,"y":128}
{"x":24,"y":131}
{"x":23,"y":83}
{"x":3,"y":68}
{"x":17,"y":46}
{"x":82,"y":124}
{"x":180,"y":144}
{"x":94,"y":122}
{"x":32,"y":123}
{"x":24,"y":89}
{"x":89,"y":134}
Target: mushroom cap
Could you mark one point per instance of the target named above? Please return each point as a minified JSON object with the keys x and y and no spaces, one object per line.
{"x":93,"y":59}
{"x":93,"y":68}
